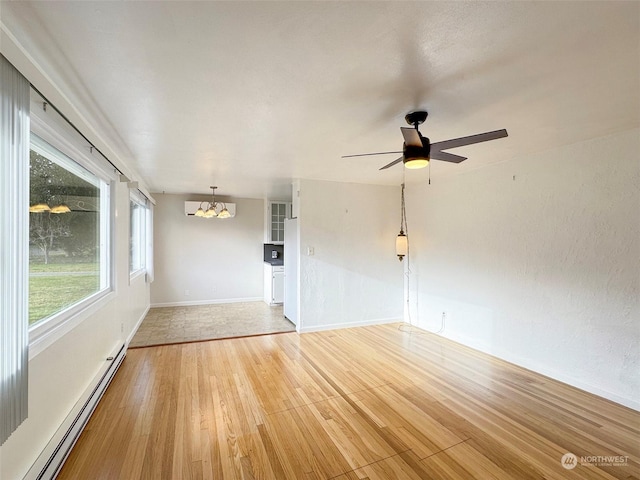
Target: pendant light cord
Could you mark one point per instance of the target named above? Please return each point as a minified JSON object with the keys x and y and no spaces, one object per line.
{"x":404,"y":229}
{"x":403,"y":213}
{"x":408,"y":271}
{"x":403,"y":225}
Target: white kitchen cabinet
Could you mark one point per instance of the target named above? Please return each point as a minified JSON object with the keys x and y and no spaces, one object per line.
{"x":273,"y":284}
{"x":277,"y":288}
{"x":276,"y":214}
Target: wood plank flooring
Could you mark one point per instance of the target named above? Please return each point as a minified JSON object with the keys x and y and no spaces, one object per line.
{"x":374,"y":402}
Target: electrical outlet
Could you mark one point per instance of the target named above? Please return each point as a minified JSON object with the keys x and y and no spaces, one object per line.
{"x":187,"y":293}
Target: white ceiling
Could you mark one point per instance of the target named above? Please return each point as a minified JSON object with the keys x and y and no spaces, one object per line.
{"x":248,"y":95}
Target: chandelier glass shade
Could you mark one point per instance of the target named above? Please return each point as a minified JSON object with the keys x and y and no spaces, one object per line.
{"x":39,"y":208}
{"x":62,"y":208}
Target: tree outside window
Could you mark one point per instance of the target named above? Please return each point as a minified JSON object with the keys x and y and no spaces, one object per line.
{"x":64,"y":230}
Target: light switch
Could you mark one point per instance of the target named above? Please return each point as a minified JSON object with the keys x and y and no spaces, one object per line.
{"x":310,"y":251}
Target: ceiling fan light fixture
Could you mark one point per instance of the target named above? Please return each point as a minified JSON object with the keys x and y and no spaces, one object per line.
{"x":417,"y":157}
{"x":416,"y":162}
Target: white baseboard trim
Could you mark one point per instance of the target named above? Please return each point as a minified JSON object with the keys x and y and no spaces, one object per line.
{"x":561,"y":377}
{"x":137,"y":326}
{"x":207,"y":302}
{"x":543,"y":370}
{"x":336,"y":326}
{"x":50,"y":461}
{"x":587,"y":387}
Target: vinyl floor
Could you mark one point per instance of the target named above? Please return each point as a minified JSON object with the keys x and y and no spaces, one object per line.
{"x":167,"y":325}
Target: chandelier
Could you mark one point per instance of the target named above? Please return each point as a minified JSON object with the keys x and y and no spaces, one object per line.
{"x":44,"y":207}
{"x":212,"y":208}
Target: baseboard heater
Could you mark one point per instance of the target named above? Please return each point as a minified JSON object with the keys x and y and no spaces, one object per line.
{"x":69,"y":439}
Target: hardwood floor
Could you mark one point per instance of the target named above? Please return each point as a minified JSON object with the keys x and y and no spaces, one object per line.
{"x":364,"y":403}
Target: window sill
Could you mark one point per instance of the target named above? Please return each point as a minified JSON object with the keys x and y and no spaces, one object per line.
{"x":136,"y":274}
{"x":43,"y":335}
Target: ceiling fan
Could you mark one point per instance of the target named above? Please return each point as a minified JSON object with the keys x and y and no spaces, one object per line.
{"x":417,"y":150}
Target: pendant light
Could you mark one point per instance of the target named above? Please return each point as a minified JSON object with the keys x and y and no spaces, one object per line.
{"x":402,"y":241}
{"x":401,"y":245}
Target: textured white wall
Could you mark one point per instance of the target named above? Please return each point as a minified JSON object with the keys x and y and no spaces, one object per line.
{"x":214,"y":260}
{"x":542,"y":270}
{"x":59,"y":375}
{"x":353,"y":278}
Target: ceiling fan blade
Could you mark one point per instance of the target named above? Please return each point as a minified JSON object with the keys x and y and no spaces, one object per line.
{"x":367,"y":154}
{"x":470,"y":140}
{"x":411,"y":137}
{"x":397,"y":160}
{"x":447,"y":157}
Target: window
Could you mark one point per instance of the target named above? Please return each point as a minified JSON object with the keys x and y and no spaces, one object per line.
{"x":69,"y":212}
{"x":137,"y":234}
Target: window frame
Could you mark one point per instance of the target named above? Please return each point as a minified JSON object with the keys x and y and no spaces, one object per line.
{"x":142,"y":230}
{"x":53,"y":140}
